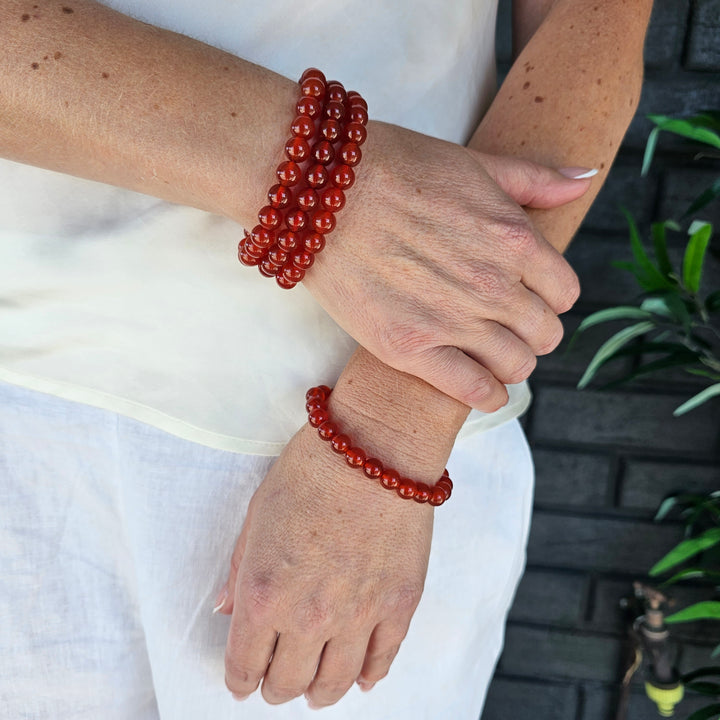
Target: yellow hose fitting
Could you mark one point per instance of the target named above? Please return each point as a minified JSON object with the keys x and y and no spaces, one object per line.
{"x":665,"y":698}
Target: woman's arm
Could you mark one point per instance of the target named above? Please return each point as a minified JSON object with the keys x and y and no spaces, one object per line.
{"x":568,"y":99}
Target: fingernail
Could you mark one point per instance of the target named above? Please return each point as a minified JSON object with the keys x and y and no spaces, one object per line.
{"x":365,"y":686}
{"x":240,"y":698}
{"x":220,"y":600}
{"x":578,"y":173}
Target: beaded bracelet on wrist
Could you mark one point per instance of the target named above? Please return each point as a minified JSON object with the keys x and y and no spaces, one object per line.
{"x":319,"y":418}
{"x":321,"y":153}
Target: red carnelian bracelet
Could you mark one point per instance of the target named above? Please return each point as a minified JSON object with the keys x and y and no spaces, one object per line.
{"x":319,"y":417}
{"x":321,"y":153}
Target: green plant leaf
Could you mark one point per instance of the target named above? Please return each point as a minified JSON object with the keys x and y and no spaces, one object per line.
{"x":666,"y":506}
{"x":668,"y":305}
{"x":685,"y":550}
{"x":716,"y":651}
{"x":688,"y":574}
{"x":652,"y":279}
{"x":660,"y":244}
{"x":706,"y":610}
{"x":622,"y":312}
{"x":703,"y":373}
{"x":700,"y":234}
{"x":709,"y":712}
{"x":696,"y":400}
{"x":704,"y":688}
{"x":707,"y":671}
{"x":690,"y":128}
{"x":679,"y":359}
{"x":704,"y":199}
{"x":712,"y":302}
{"x":609,"y":347}
{"x":649,"y":150}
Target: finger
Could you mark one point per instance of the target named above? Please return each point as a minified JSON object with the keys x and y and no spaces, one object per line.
{"x":456,"y":374}
{"x":340,"y":665}
{"x":292,"y":668}
{"x":381,"y":651}
{"x":225,"y":601}
{"x":251,"y":642}
{"x":532,"y":185}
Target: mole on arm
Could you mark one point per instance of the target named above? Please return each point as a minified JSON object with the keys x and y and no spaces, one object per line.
{"x":24,"y":17}
{"x":67,"y":10}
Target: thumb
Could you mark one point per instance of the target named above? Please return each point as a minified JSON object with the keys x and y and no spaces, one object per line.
{"x":537,"y":186}
{"x":225,"y":600}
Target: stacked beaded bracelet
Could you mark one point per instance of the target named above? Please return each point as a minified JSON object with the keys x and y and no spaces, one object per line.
{"x":321,"y":154}
{"x":319,"y":417}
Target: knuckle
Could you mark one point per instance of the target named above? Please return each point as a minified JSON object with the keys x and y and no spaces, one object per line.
{"x":261,"y":596}
{"x":481,"y":389}
{"x":312,"y":615}
{"x":519,"y":238}
{"x":522,"y":371}
{"x":404,"y":598}
{"x":490,"y":281}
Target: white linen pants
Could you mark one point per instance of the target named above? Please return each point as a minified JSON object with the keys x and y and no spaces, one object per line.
{"x":115,"y":538}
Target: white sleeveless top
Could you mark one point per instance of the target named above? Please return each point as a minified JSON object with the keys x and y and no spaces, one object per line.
{"x":122,"y":301}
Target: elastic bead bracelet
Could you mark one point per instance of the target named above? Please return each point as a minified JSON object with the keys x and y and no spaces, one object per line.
{"x":320,"y":156}
{"x":319,"y":417}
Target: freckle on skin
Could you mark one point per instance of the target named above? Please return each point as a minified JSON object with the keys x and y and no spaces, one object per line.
{"x":25,"y":17}
{"x":35,"y":66}
{"x":539,"y":99}
{"x":45,"y":58}
{"x":602,"y":166}
{"x":57,"y":55}
{"x":526,"y":85}
{"x":67,"y":10}
{"x":105,"y":75}
{"x":233,"y":114}
{"x":599,"y":81}
{"x":522,"y":142}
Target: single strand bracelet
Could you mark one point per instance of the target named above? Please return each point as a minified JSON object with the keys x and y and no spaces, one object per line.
{"x":319,"y":417}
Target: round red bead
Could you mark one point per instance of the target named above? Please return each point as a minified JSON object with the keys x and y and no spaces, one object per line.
{"x":262,"y":237}
{"x":307,"y":199}
{"x":317,"y":176}
{"x":327,"y":390}
{"x":314,"y":404}
{"x":308,"y":106}
{"x":350,"y":154}
{"x":324,"y":152}
{"x":422,"y":492}
{"x":303,"y":259}
{"x":355,"y":132}
{"x":336,"y":92}
{"x":313,"y":87}
{"x":289,"y":173}
{"x":437,"y":497}
{"x":292,"y":273}
{"x":358,"y":114}
{"x":277,"y":256}
{"x":296,"y":220}
{"x":317,"y":392}
{"x":288,"y":240}
{"x":323,"y":222}
{"x":268,"y":268}
{"x":406,"y":488}
{"x":343,"y":176}
{"x":355,"y":457}
{"x":390,"y":479}
{"x":269,"y":217}
{"x":246,"y":259}
{"x":279,"y":196}
{"x":332,"y":199}
{"x":297,"y":149}
{"x":303,"y":126}
{"x":328,"y":430}
{"x":284,"y":283}
{"x":373,"y":468}
{"x":335,"y":110}
{"x":330,"y":129}
{"x":340,"y":443}
{"x":314,"y":242}
{"x":315,"y":73}
{"x":253,"y":251}
{"x":317,"y":417}
{"x":355,"y":99}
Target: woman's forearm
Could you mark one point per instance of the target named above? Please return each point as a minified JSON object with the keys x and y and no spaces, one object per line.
{"x":567,"y":101}
{"x":91,"y":92}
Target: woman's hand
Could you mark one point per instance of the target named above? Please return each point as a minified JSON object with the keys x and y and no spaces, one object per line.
{"x":324,"y":579}
{"x":435,"y":268}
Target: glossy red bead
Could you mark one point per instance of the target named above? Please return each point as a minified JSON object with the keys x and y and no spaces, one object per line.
{"x":313,"y":87}
{"x":268,"y":268}
{"x":330,"y":129}
{"x":390,"y":479}
{"x":355,"y":457}
{"x":335,"y":110}
{"x":355,"y":132}
{"x":314,"y":242}
{"x":269,"y":217}
{"x":437,"y":497}
{"x":358,"y":114}
{"x":355,"y":99}
{"x":303,"y":126}
{"x":292,"y":273}
{"x":308,"y":106}
{"x":317,"y":176}
{"x":303,"y":259}
{"x":246,"y":259}
{"x":296,"y":220}
{"x":324,"y":152}
{"x":327,"y":390}
{"x":332,"y":199}
{"x":323,"y":222}
{"x":343,"y":177}
{"x":318,"y":393}
{"x":406,"y":488}
{"x":350,"y":154}
{"x":315,"y":73}
{"x":289,"y":173}
{"x":317,"y":417}
{"x":279,"y":196}
{"x":422,"y":492}
{"x":277,"y":256}
{"x":340,"y":444}
{"x":307,"y":199}
{"x":288,"y":240}
{"x":373,"y":468}
{"x":253,"y":251}
{"x":284,"y":283}
{"x":263,"y":237}
{"x":336,"y":92}
{"x":314,"y":404}
{"x":328,"y":430}
{"x":297,"y":149}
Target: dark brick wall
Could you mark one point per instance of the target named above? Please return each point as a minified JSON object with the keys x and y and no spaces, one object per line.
{"x":605,"y":460}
